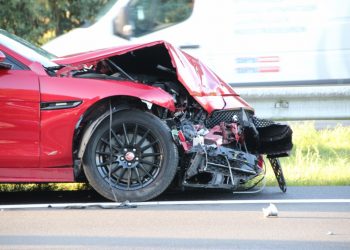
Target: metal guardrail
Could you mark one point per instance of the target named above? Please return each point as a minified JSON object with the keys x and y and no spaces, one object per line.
{"x":299,"y":102}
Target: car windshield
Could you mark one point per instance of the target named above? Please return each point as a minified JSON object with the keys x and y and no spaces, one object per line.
{"x":104,"y":9}
{"x":100,"y":13}
{"x":26,"y":49}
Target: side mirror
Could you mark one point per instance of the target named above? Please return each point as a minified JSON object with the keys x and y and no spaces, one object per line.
{"x":4,"y":65}
{"x":121,"y":25}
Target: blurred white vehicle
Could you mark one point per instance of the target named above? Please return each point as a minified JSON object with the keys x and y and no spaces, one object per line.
{"x":244,"y":41}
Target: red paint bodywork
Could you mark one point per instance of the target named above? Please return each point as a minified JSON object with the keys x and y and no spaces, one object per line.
{"x":20,"y":116}
{"x":36,"y":145}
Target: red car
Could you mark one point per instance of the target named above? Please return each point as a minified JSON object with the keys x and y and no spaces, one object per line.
{"x":130,"y":120}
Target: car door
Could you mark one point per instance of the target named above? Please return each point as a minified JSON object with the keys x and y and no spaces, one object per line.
{"x":19,"y":114}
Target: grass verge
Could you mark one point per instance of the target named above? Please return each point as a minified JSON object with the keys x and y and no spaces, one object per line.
{"x":18,"y":187}
{"x":319,"y":157}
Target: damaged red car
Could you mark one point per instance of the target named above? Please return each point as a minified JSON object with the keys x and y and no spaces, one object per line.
{"x":130,"y":120}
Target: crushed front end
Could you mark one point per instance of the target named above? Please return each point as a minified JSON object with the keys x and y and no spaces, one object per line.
{"x":225,"y":149}
{"x":221,"y":142}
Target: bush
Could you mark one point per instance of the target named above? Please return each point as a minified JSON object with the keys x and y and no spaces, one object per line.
{"x":40,"y":20}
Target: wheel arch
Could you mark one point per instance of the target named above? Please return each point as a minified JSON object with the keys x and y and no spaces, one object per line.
{"x":95,"y":115}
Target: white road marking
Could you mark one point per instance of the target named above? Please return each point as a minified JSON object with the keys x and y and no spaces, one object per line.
{"x":169,"y":203}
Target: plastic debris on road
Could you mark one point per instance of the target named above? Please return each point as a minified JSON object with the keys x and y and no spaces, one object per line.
{"x":270,"y":211}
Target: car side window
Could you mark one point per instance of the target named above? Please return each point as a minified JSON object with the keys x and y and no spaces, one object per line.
{"x":146,"y":16}
{"x":16,"y":65}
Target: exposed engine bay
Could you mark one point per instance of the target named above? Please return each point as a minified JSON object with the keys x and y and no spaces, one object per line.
{"x":219,"y":149}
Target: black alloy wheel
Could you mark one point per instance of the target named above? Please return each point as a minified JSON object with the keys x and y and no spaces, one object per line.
{"x":135,"y":159}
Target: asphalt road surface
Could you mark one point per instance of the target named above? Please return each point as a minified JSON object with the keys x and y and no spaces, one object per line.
{"x":308,"y":218}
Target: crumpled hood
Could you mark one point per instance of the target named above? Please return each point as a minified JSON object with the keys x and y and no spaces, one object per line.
{"x":196,"y":77}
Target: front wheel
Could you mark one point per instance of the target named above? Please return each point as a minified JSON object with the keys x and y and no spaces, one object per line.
{"x":133,"y":157}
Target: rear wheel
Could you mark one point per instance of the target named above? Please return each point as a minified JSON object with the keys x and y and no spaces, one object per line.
{"x":135,"y":159}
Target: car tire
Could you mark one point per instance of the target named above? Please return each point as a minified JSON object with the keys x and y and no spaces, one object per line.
{"x":143,"y":157}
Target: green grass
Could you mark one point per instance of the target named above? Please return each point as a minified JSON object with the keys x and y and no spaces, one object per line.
{"x":319,"y":157}
{"x":43,"y":187}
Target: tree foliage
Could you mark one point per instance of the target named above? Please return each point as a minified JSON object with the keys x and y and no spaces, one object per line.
{"x":39,"y":20}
